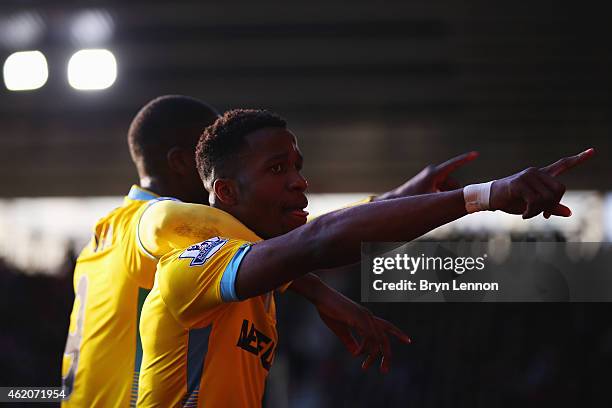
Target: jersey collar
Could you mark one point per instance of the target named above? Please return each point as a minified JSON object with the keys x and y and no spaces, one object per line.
{"x":139,"y":193}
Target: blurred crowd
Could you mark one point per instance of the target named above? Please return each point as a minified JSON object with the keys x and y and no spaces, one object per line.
{"x":34,"y":315}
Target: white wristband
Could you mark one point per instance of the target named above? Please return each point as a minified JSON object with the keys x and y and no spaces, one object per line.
{"x":477,"y":196}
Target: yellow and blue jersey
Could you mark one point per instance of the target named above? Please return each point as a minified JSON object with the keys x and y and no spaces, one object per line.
{"x":201,"y":346}
{"x":111,"y":280}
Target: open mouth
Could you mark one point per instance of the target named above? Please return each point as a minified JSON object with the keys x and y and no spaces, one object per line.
{"x":298,"y":213}
{"x":297,"y":209}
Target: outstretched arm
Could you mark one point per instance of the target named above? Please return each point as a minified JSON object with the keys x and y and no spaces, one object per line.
{"x":334,"y":239}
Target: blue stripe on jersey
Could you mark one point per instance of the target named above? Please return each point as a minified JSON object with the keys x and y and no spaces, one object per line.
{"x":228,"y":280}
{"x":197,"y":347}
{"x":137,"y":193}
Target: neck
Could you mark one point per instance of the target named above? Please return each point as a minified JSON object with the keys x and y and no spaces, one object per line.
{"x":228,"y":209}
{"x":240,"y":216}
{"x":216,"y":204}
{"x":175,"y":188}
{"x":156,"y":186}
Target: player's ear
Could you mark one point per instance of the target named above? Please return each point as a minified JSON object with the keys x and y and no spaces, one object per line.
{"x":180,"y":160}
{"x":226,"y":191}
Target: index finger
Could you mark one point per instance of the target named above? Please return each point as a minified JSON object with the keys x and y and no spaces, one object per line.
{"x":562,"y":165}
{"x":453,"y":164}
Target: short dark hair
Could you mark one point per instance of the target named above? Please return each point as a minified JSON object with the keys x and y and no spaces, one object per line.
{"x":163,"y":123}
{"x":225,"y":138}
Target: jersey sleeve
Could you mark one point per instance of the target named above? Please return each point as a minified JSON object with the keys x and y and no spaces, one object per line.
{"x":167,"y":225}
{"x":195,"y":280}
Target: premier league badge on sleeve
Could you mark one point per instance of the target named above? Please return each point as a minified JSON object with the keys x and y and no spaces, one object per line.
{"x":199,"y":253}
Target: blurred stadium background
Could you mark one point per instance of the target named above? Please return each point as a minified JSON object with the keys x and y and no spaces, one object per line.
{"x":375,"y":92}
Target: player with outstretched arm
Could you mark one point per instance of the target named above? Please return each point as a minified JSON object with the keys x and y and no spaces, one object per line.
{"x":208,"y":325}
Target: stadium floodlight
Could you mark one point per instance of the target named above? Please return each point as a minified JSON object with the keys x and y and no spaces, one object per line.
{"x":25,"y":70}
{"x":92,"y":69}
